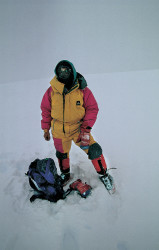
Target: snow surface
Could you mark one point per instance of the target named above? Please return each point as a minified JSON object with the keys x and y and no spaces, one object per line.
{"x":127,"y":129}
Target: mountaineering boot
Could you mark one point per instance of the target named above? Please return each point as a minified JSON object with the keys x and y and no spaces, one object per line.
{"x":64,"y":165}
{"x":101,"y":168}
{"x":65,"y":177}
{"x":108,"y":182}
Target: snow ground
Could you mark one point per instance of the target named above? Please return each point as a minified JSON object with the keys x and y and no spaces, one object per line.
{"x":127,"y":129}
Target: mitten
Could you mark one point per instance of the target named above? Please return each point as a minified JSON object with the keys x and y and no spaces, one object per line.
{"x":46,"y":135}
{"x":84,"y":137}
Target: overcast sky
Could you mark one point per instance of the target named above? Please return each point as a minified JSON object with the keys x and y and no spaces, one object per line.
{"x":97,"y":36}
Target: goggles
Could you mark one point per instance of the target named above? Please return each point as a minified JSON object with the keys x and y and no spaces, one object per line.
{"x":64,"y":72}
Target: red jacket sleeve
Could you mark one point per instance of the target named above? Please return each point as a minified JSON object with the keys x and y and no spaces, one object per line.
{"x":46,"y":110}
{"x":91,"y":108}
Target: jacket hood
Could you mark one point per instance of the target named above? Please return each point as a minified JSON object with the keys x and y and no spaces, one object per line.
{"x":82,"y":81}
{"x":78,"y":79}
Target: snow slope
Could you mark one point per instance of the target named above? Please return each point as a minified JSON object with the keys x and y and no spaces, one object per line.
{"x":127,"y":129}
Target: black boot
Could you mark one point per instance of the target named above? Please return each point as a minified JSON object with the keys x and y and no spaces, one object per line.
{"x":65,"y":178}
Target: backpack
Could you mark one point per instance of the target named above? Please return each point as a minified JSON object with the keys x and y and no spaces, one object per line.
{"x":43,"y":178}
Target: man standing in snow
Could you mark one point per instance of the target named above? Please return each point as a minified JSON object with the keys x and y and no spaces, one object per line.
{"x":70,"y":110}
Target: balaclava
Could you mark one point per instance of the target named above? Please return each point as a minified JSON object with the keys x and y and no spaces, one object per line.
{"x":66,"y":73}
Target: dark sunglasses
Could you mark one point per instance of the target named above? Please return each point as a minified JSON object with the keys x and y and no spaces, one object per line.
{"x":64,"y":72}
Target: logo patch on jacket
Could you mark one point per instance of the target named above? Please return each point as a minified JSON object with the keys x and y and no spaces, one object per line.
{"x":78,"y":103}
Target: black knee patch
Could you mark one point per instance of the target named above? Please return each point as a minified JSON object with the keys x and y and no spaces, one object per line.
{"x":94,"y":151}
{"x":61,"y":156}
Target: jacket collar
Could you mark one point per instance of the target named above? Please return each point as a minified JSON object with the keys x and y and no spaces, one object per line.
{"x":60,"y":87}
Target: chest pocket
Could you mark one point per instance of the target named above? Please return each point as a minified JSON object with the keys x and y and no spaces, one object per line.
{"x":74,"y":110}
{"x":57,"y":106}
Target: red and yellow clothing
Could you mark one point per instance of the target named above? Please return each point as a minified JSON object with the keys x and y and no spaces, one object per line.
{"x":64,"y":111}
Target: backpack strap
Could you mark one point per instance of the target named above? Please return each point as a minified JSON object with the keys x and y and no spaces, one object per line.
{"x":37,"y":196}
{"x":42,"y":197}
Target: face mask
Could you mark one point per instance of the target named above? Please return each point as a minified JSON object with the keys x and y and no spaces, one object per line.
{"x":64,"y":72}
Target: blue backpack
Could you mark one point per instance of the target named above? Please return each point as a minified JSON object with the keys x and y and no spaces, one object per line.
{"x":44,"y":179}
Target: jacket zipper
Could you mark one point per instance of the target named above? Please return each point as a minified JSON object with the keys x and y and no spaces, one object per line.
{"x":64,"y":105}
{"x":63,"y":112}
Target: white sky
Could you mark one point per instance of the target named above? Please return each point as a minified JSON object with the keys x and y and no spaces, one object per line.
{"x":97,"y":36}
